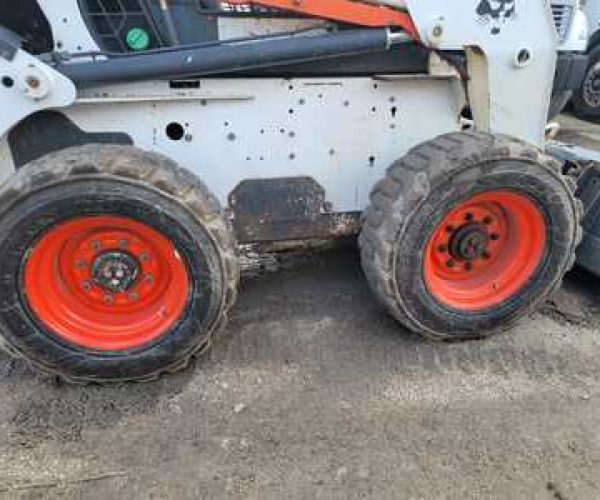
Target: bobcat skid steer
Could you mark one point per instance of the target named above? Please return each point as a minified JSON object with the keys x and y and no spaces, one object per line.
{"x":142,"y":140}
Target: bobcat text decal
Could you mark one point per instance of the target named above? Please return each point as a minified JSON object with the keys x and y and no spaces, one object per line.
{"x":496,"y":13}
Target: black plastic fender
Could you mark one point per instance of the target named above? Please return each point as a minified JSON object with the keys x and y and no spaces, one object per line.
{"x":588,"y":191}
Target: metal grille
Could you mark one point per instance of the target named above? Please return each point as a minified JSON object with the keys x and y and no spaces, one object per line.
{"x":563,"y":14}
{"x":111,"y":20}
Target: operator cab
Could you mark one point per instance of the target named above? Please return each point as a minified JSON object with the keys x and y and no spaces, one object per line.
{"x":29,"y":22}
{"x":141,"y":25}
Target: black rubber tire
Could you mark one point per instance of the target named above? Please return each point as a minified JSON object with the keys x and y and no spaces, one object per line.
{"x":422,"y":188}
{"x":581,"y":108}
{"x":125,"y":181}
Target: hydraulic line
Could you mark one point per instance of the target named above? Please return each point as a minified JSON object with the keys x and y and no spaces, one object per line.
{"x":230,"y":57}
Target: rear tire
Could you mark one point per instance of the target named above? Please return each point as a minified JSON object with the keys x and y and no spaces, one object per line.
{"x":586,"y":100}
{"x":468,"y":233}
{"x":115,"y":265}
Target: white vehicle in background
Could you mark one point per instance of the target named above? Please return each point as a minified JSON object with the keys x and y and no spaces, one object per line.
{"x":586,"y":99}
{"x":573,"y":33}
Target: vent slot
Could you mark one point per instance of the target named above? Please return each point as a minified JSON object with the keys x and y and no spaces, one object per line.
{"x":563,"y":14}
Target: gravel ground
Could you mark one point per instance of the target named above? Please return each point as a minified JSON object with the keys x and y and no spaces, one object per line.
{"x":313,"y":392}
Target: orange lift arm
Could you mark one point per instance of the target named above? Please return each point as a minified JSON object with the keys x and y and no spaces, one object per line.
{"x":345,"y":11}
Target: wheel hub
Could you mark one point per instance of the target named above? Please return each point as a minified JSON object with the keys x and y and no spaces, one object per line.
{"x":105,"y":282}
{"x":469,"y":242}
{"x":485,"y":250}
{"x":591,"y":87}
{"x":116,"y":272}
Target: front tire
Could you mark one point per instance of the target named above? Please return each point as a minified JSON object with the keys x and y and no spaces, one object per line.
{"x":115,"y":265}
{"x":468,"y":233}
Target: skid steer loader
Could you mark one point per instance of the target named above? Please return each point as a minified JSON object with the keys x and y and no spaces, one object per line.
{"x":142,"y":140}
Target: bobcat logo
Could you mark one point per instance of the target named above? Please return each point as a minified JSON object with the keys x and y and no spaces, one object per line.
{"x":496,"y":13}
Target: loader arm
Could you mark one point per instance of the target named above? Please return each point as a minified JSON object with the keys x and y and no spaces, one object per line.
{"x":27,"y":84}
{"x":511,"y":53}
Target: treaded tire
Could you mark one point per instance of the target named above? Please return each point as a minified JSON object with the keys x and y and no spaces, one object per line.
{"x":581,"y":108}
{"x":411,"y":201}
{"x":122,"y":181}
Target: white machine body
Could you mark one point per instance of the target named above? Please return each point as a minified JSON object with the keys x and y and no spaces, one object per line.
{"x":341,"y":131}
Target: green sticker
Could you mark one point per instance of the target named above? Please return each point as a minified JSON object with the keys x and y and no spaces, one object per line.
{"x":138,"y":39}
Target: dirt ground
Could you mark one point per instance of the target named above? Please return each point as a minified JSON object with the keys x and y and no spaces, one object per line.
{"x":313,"y":392}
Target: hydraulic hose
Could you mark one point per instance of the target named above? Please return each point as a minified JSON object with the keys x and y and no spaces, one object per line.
{"x":230,"y":57}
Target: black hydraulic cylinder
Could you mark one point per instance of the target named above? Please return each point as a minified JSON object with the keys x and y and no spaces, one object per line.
{"x":226,"y":57}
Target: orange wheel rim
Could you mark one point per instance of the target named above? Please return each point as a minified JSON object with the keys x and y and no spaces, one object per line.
{"x":485,"y":251}
{"x":106,"y":283}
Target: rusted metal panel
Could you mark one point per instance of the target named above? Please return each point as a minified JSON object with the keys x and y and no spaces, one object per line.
{"x":291,"y":208}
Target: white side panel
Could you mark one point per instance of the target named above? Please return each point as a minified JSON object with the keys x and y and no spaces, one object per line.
{"x":342,"y":132}
{"x":68,"y":27}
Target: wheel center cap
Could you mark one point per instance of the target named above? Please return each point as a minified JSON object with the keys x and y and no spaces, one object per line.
{"x":115,"y":271}
{"x":469,"y":242}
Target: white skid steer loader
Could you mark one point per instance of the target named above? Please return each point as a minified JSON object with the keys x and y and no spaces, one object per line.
{"x":142,"y":140}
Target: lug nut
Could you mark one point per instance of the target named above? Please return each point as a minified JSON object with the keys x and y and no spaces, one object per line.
{"x":487,"y":220}
{"x":485,"y":256}
{"x":109,"y":300}
{"x":144,"y":257}
{"x":123,"y":244}
{"x":149,"y":278}
{"x":80,"y":264}
{"x":469,"y":217}
{"x":134,"y":296}
{"x":450,"y":263}
{"x":96,"y":246}
{"x":443,"y":248}
{"x":449,"y":229}
{"x":494,"y":237}
{"x":468,"y":266}
{"x":86,"y":285}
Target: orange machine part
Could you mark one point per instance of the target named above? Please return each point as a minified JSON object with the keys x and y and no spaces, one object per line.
{"x":515,"y":249}
{"x":345,"y":11}
{"x":61,"y":288}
